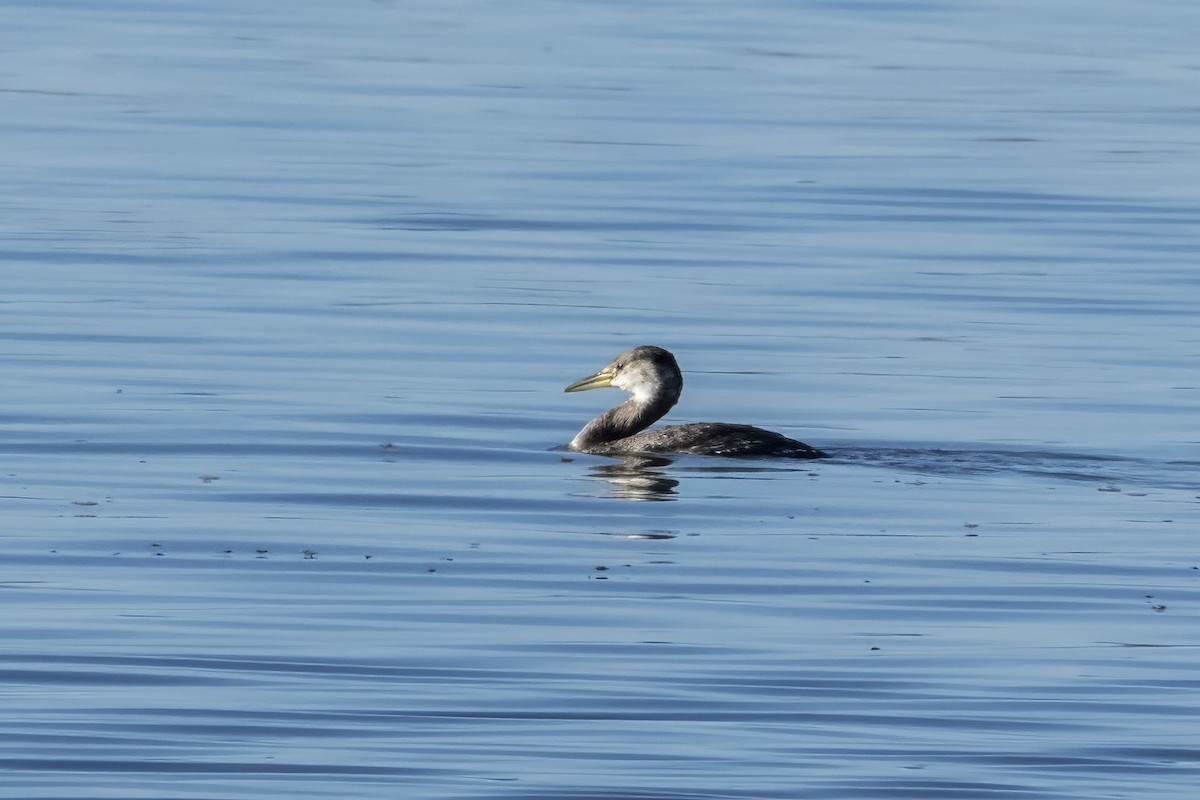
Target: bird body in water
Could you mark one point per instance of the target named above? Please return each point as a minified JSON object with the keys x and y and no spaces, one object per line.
{"x":652,"y":377}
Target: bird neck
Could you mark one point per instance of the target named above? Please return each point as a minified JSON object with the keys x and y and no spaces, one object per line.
{"x":625,"y":420}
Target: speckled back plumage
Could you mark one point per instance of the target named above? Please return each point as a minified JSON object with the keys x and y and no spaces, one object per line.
{"x":708,"y":439}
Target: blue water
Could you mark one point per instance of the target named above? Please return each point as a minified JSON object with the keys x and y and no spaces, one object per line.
{"x":291,"y":292}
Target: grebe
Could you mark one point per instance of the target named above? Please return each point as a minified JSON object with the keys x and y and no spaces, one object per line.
{"x":651,"y":375}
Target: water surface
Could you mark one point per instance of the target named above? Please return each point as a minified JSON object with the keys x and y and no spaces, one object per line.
{"x":291,"y":294}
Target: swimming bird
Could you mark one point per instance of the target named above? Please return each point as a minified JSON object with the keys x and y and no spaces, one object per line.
{"x":652,"y":377}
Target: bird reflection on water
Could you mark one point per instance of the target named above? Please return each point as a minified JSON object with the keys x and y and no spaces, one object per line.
{"x":653,"y":378}
{"x":638,"y":477}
